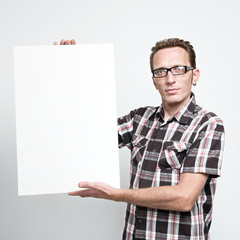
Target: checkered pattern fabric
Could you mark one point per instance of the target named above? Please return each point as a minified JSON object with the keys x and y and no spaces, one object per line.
{"x":190,"y":142}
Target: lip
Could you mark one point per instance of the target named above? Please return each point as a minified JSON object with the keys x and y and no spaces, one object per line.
{"x":172,"y":90}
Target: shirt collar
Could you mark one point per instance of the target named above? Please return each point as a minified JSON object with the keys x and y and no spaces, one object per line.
{"x":185,"y":113}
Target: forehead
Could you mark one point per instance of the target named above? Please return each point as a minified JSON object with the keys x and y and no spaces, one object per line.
{"x":169,"y":57}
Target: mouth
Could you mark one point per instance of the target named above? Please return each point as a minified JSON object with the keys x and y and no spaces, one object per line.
{"x":172,"y":90}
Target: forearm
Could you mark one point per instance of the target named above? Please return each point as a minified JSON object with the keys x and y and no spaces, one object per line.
{"x":177,"y":198}
{"x":165,"y":197}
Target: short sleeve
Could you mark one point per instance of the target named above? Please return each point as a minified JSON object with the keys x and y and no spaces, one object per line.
{"x":206,"y":152}
{"x":125,"y":130}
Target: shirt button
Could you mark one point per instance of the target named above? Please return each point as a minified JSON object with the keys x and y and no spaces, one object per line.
{"x":140,"y":220}
{"x":154,"y":150}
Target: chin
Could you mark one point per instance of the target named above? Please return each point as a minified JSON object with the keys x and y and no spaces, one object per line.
{"x":175,"y":100}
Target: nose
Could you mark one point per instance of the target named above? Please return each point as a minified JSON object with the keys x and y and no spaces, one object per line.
{"x":170,"y":78}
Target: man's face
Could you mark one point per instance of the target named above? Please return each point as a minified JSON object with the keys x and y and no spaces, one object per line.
{"x":174,"y":90}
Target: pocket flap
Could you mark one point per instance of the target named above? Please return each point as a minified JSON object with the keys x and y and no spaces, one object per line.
{"x":139,"y":141}
{"x":176,"y":146}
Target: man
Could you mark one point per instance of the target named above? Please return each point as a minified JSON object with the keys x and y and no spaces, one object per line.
{"x":176,"y":154}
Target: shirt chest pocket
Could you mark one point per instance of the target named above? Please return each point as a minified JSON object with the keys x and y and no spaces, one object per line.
{"x":173,"y":154}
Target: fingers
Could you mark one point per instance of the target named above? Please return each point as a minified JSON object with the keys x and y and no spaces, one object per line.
{"x":95,"y":190}
{"x":66,"y":42}
{"x":86,"y":185}
{"x":89,"y":192}
{"x":73,"y":193}
{"x":89,"y":188}
{"x":81,"y":193}
{"x":73,"y":42}
{"x":62,"y":42}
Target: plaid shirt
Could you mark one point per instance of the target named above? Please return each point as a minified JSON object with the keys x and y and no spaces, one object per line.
{"x":190,"y":142}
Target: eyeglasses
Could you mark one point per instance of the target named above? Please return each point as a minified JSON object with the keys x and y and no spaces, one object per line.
{"x":177,"y":70}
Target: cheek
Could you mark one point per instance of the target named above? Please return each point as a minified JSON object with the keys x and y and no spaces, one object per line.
{"x":160,"y":88}
{"x":159,"y":85}
{"x":187,"y":85}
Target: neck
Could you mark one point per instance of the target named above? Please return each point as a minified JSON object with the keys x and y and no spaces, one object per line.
{"x":169,"y":112}
{"x":171,"y":109}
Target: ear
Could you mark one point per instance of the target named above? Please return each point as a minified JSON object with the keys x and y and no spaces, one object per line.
{"x":196,"y":75}
{"x":154,"y":83}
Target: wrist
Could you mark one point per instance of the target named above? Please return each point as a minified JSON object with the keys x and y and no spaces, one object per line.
{"x":118,"y":195}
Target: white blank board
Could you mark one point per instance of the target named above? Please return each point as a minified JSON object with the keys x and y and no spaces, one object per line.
{"x":66,"y":124}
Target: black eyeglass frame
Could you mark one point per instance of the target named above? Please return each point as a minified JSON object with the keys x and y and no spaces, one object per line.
{"x":187,"y":68}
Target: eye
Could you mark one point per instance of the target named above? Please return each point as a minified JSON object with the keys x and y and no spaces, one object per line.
{"x":160,"y":71}
{"x":179,"y":69}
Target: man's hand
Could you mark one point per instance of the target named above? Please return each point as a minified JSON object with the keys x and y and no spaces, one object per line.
{"x":66,"y":42}
{"x":96,"y":190}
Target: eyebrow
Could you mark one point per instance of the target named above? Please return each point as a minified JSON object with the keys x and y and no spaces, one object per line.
{"x":168,"y":68}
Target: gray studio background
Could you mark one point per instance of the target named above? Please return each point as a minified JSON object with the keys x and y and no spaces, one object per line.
{"x":133,"y":26}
